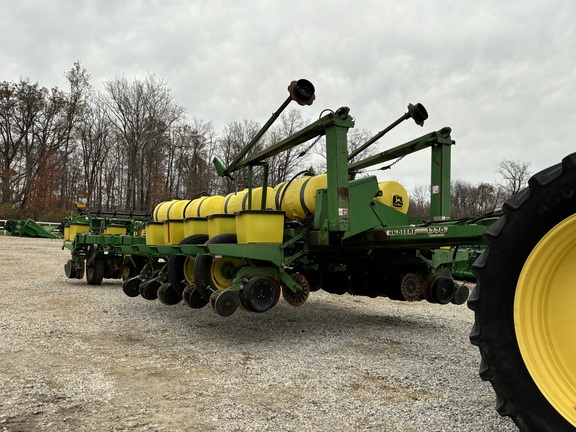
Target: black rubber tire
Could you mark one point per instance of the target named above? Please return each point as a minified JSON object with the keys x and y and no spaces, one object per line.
{"x":74,"y":271}
{"x":70,"y":274}
{"x":193,"y":298}
{"x":149,"y":289}
{"x":95,"y":272}
{"x":176,"y":264}
{"x":203,"y":266}
{"x":260,"y":294}
{"x":131,"y":287}
{"x":167,"y":296}
{"x":528,"y":216}
{"x":226,"y":303}
{"x":80,"y":270}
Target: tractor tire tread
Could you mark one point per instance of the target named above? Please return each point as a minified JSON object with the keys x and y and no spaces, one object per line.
{"x":527,"y":216}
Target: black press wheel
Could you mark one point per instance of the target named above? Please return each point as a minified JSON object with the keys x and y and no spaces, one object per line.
{"x":74,"y":270}
{"x":524,"y":303}
{"x":95,"y":272}
{"x":260,"y":294}
{"x":193,"y":298}
{"x":225,"y":302}
{"x":131,"y":287}
{"x":167,"y":296}
{"x":149,"y":288}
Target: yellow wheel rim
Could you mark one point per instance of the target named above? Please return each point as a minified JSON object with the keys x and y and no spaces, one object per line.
{"x":544,"y":316}
{"x":188,"y":269}
{"x":223,"y":271}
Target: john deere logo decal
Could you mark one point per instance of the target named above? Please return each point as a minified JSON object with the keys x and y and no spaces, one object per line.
{"x":397,"y":201}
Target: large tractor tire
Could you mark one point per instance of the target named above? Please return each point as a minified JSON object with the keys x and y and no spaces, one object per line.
{"x":525,"y":303}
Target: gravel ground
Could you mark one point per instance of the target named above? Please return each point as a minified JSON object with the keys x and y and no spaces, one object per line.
{"x":81,"y":358}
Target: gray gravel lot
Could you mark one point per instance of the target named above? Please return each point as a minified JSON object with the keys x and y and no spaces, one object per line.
{"x":87,"y":358}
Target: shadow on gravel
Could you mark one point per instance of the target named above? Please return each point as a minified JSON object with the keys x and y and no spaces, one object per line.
{"x":314,"y":321}
{"x":323,"y":316}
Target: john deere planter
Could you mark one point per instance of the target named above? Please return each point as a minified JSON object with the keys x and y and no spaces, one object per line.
{"x":350,"y":234}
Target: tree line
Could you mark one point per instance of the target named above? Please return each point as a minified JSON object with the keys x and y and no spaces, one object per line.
{"x":470,"y":200}
{"x":130,"y":146}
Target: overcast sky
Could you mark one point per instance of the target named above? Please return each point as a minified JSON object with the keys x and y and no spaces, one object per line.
{"x":501,"y":74}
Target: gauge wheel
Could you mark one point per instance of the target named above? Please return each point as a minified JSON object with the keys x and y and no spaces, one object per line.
{"x":95,"y":272}
{"x":181,"y":267}
{"x":216,"y":273}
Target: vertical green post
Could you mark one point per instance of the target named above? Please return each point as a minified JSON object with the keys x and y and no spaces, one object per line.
{"x":440,"y":182}
{"x":264,"y":186}
{"x":250,"y":178}
{"x":337,"y":166}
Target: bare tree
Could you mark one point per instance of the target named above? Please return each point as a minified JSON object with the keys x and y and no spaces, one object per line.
{"x":77,"y":104}
{"x":142,"y":112}
{"x":355,"y":138}
{"x":43,"y":170}
{"x":515,"y":175}
{"x":31,"y":135}
{"x":20,"y":105}
{"x":285,"y":164}
{"x":96,"y":138}
{"x":420,"y":201}
{"x":470,"y":200}
{"x":189,"y":150}
{"x":234,"y":138}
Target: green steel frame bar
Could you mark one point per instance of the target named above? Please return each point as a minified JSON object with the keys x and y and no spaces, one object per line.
{"x":440,"y":143}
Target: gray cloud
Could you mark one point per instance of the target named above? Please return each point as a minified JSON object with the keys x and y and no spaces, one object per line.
{"x":502,"y":75}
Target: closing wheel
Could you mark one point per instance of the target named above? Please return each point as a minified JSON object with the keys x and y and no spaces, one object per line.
{"x":181,"y":267}
{"x":149,"y":288}
{"x":226,"y":302}
{"x":314,"y":278}
{"x":186,"y":293}
{"x":442,"y":290}
{"x":411,"y":287}
{"x":524,"y":303}
{"x":461,"y":294}
{"x":131,"y":287}
{"x":300,"y":297}
{"x":167,"y":296}
{"x":70,"y":274}
{"x":80,"y":270}
{"x":193,"y":298}
{"x":95,"y":272}
{"x":260,"y":294}
{"x":74,"y":271}
{"x":216,"y":273}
